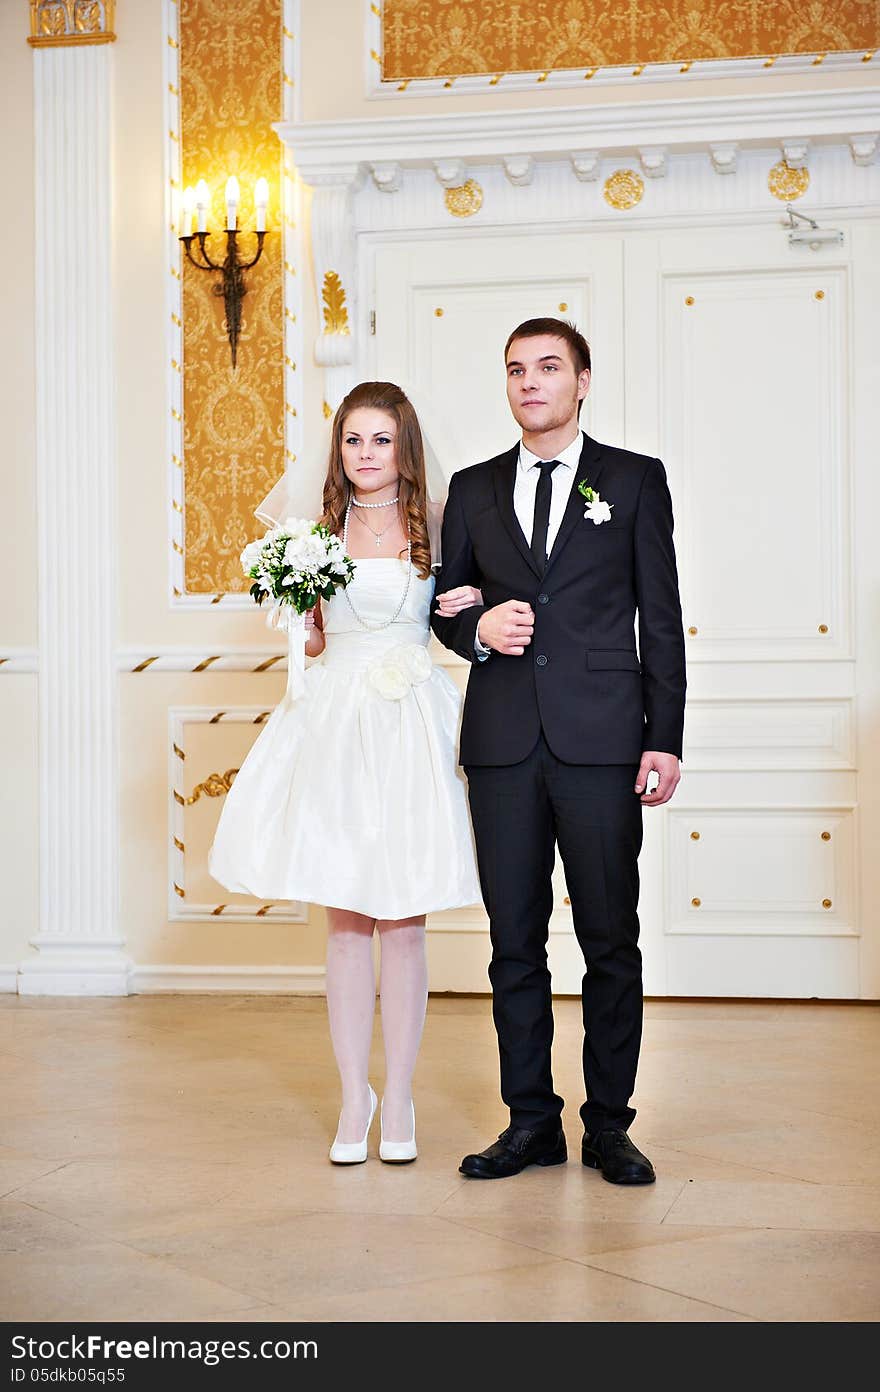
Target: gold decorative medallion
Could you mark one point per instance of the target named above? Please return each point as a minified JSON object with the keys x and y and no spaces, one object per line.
{"x":624,"y":189}
{"x":335,"y":308}
{"x":57,"y":23}
{"x":465,"y":199}
{"x":786,"y":183}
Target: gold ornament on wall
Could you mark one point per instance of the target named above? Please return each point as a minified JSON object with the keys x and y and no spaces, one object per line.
{"x":215,"y":785}
{"x":335,"y":308}
{"x":59,"y":23}
{"x":786,"y":183}
{"x":624,"y":189}
{"x":465,"y":199}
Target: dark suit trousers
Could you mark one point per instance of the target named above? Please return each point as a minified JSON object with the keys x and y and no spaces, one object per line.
{"x":520,"y":812}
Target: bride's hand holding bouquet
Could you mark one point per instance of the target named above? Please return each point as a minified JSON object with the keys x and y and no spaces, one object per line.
{"x":296,"y":564}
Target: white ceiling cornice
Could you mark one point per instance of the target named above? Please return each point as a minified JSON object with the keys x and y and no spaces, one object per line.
{"x":681,"y":124}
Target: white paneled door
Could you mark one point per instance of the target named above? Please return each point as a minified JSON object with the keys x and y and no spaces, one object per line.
{"x":734,"y":357}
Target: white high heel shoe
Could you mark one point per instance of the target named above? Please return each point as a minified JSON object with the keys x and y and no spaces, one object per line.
{"x":397,"y":1152}
{"x":353,"y":1152}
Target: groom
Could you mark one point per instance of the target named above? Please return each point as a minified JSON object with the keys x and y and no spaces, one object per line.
{"x":563,"y":723}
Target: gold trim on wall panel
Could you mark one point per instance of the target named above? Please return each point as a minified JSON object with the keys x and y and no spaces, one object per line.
{"x":68,"y":23}
{"x":215,"y":785}
{"x":435,"y":39}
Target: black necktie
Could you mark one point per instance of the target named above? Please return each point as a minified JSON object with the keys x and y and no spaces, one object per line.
{"x":543,"y":495}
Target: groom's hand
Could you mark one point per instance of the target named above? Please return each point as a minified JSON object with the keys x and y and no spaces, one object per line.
{"x":668,"y":770}
{"x":508,"y":627}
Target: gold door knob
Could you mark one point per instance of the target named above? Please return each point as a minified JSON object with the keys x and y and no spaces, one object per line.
{"x":696,"y":903}
{"x":823,"y":628}
{"x":566,"y":900}
{"x":695,"y":836}
{"x":826,"y":903}
{"x":439,"y":313}
{"x":826,"y":835}
{"x":692,"y":631}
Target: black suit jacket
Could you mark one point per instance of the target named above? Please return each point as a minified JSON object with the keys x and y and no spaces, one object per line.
{"x":581,"y":679}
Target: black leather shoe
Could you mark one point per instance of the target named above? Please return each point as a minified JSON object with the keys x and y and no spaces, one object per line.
{"x":514,"y":1149}
{"x":614,"y":1154}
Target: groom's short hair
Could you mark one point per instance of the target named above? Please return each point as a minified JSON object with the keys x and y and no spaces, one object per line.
{"x":558,"y":328}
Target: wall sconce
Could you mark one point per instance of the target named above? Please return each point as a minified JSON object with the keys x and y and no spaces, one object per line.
{"x":231,"y":284}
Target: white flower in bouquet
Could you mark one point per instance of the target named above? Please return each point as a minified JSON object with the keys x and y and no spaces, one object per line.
{"x":295,"y":565}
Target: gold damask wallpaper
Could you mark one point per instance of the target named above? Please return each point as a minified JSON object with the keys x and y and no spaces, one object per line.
{"x":434,"y":38}
{"x":230,"y":91}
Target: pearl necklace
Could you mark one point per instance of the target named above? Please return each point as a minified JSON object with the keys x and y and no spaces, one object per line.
{"x":354,"y":502}
{"x":386,"y":623}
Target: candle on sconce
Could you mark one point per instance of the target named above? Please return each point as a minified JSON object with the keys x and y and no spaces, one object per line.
{"x":186,"y":216}
{"x":261,"y":200}
{"x":203,"y":198}
{"x":232,"y":199}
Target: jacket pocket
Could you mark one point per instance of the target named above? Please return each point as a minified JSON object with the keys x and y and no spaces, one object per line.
{"x":613,"y":660}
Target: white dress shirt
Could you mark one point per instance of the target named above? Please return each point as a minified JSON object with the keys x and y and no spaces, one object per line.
{"x":525,"y":486}
{"x":562,"y":480}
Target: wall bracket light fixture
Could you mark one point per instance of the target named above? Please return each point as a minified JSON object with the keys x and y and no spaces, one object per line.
{"x":231,"y":283}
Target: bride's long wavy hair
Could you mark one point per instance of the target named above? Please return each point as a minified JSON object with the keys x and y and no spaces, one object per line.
{"x":410,"y":456}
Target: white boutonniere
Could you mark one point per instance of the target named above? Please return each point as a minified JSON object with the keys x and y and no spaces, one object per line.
{"x":597,"y":510}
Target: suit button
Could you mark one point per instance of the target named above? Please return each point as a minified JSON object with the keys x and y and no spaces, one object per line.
{"x":541,"y":660}
{"x":543,"y":599}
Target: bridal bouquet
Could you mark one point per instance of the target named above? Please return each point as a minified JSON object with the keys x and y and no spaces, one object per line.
{"x":295,"y":564}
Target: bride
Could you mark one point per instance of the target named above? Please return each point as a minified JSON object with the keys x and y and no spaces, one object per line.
{"x":351,"y":796}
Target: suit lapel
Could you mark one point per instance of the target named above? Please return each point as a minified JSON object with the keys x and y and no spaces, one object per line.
{"x":505,"y":475}
{"x":589,"y":467}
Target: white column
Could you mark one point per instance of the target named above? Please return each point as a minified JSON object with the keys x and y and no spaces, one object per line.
{"x":78,"y":947}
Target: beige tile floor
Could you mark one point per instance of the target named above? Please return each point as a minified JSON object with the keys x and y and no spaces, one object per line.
{"x":164,"y":1158}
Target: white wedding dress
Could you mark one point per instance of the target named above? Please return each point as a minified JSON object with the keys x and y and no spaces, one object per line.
{"x":351,"y":796}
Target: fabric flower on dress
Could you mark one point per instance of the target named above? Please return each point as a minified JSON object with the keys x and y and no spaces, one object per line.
{"x":397,"y":671}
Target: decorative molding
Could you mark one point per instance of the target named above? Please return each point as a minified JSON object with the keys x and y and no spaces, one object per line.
{"x":816,"y":841}
{"x":864,"y":148}
{"x":586,"y":165}
{"x":652,"y":158}
{"x":724,"y":157}
{"x":256,"y":660}
{"x":147,"y":979}
{"x":795,"y":153}
{"x":16,"y":661}
{"x":333,"y":263}
{"x":519,"y":169}
{"x":765,"y":733}
{"x":614,"y":130}
{"x":69,"y":23}
{"x":451,"y":173}
{"x":386,"y":177}
{"x":79,"y":950}
{"x":180,"y":908}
